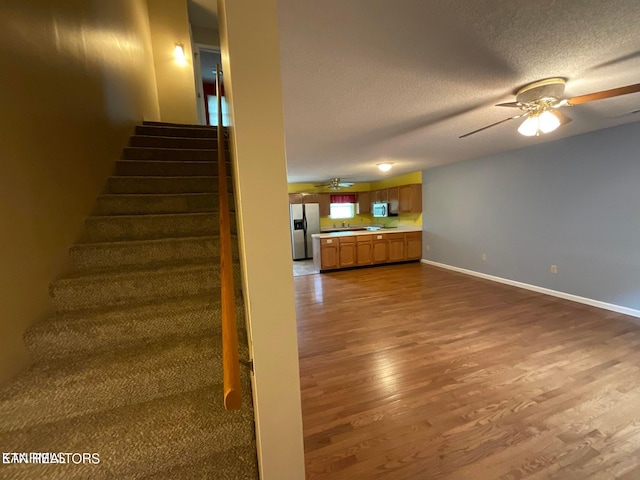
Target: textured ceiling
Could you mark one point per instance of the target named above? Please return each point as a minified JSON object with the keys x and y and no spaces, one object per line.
{"x":366,"y":81}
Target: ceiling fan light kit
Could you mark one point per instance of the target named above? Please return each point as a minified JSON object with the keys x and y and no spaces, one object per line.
{"x":536,"y":124}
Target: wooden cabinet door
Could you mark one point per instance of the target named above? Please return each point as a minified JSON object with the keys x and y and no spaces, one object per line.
{"x":329,"y":254}
{"x":380,"y":196}
{"x":397,"y":251}
{"x":295,"y":198}
{"x":322,"y":199}
{"x":379,"y":249}
{"x":363,"y":250}
{"x":410,"y":198}
{"x":392,"y":198}
{"x":347,"y":252}
{"x":364,"y":202}
{"x":414,"y":245}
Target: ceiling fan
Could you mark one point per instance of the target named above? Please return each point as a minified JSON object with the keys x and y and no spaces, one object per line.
{"x":540,"y":102}
{"x":335,"y":184}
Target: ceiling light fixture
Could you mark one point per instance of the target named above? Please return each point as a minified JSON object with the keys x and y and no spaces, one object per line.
{"x":385,"y":167}
{"x":538,"y":123}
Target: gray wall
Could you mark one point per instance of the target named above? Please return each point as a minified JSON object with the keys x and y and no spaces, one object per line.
{"x":573,"y":202}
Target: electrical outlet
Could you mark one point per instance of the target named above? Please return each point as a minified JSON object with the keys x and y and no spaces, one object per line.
{"x":484,"y":257}
{"x":554,"y":269}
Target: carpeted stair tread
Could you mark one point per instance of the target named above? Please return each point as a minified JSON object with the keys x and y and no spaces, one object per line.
{"x":87,"y":290}
{"x":229,"y":465}
{"x":89,"y":333}
{"x":179,"y":125}
{"x":165,"y":168}
{"x":155,"y":203}
{"x":150,"y":184}
{"x":78,"y":386}
{"x":106,"y":228}
{"x":170,"y":154}
{"x":99,"y":255}
{"x":141,"y":439}
{"x":177,"y":131}
{"x":165,"y":141}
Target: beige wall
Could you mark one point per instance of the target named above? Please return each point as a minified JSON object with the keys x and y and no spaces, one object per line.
{"x":250,"y":56}
{"x":76,"y":76}
{"x":176,"y":84}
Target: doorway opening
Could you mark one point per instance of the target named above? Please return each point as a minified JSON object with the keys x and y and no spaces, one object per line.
{"x":207,"y":57}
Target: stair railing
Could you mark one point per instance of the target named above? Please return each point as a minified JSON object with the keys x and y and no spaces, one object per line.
{"x":230,"y":359}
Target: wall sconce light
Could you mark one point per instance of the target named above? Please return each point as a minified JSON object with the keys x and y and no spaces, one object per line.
{"x":179,"y":55}
{"x":384,"y":167}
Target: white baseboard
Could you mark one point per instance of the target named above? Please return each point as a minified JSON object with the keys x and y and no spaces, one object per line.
{"x":567,"y":296}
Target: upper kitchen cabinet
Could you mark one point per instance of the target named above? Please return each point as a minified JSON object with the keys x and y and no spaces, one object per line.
{"x":410,"y":198}
{"x":295,"y":198}
{"x":380,"y":196}
{"x":364,"y":202}
{"x":323,"y":199}
{"x":392,"y":198}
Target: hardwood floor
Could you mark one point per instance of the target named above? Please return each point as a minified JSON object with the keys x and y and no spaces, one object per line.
{"x":415,"y":372}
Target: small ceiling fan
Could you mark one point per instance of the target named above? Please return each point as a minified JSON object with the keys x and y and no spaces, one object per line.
{"x":540,"y":102}
{"x":335,"y":184}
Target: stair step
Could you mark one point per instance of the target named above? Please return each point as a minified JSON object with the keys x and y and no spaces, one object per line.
{"x":179,"y":125}
{"x":235,"y":464}
{"x":139,"y":440}
{"x":91,"y":333}
{"x":138,"y":184}
{"x":152,"y":141}
{"x":148,"y":227}
{"x":170,"y":154}
{"x":177,"y":131}
{"x":155,"y":203}
{"x":113,"y":379}
{"x":144,"y":252}
{"x":134,"y":286}
{"x":166,"y":168}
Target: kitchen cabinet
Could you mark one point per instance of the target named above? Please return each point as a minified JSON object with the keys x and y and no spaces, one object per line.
{"x":347,"y":252}
{"x":397,"y":251}
{"x":364,"y":202}
{"x":379,"y":249}
{"x":410,"y":198}
{"x":329,"y":255}
{"x":414,"y":245}
{"x":392,"y":198}
{"x":380,"y":196}
{"x":363,"y":250}
{"x":295,"y":198}
{"x":322,"y":199}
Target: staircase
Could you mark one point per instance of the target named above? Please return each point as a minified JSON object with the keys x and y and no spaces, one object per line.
{"x":129,"y":367}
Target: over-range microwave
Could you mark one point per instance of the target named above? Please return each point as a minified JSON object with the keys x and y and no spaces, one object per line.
{"x":381,"y":210}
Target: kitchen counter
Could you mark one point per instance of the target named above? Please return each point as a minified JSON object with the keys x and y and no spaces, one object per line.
{"x":347,"y":233}
{"x":350,"y":249}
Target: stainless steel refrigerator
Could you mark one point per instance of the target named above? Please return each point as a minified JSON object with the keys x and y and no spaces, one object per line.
{"x":305,"y":220}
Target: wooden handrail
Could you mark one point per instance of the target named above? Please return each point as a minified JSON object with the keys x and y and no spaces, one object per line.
{"x":230,"y":360}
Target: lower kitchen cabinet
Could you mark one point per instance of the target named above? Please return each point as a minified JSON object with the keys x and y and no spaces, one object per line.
{"x":397,"y":252}
{"x":380,"y":249}
{"x":347,"y":252}
{"x":414,"y":245}
{"x":330,"y":258}
{"x":363,"y":250}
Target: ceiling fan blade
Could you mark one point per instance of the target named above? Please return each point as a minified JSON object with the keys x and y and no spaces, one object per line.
{"x":564,"y":119}
{"x":509,"y":104}
{"x":494,"y":124}
{"x":614,"y":92}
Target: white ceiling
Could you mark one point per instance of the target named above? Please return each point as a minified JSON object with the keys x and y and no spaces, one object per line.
{"x":366,"y":81}
{"x":203,"y":13}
